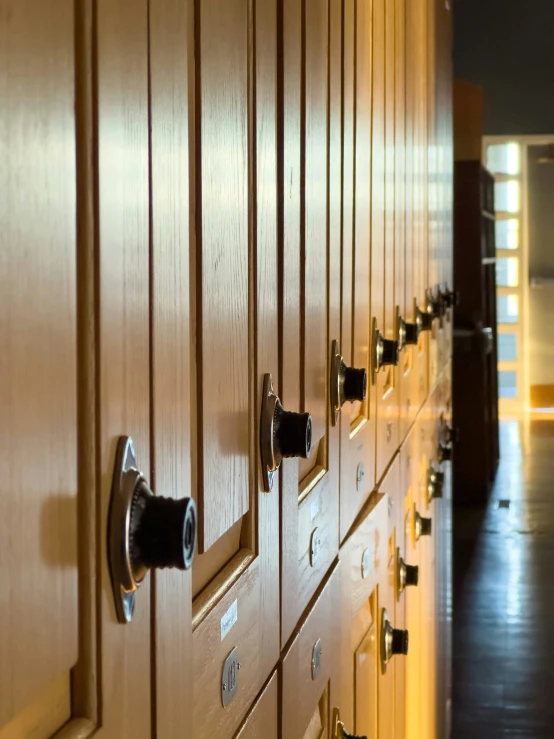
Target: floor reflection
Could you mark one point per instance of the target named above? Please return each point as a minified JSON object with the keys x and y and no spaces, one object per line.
{"x":504,"y":595}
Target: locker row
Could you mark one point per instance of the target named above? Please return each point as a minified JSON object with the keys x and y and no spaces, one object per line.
{"x":235,"y":236}
{"x":371,"y":656}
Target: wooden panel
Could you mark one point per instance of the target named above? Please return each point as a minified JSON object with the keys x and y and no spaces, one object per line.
{"x":412,"y":596}
{"x":313,"y":337}
{"x":38,"y":436}
{"x":358,"y":421}
{"x":382,"y":225}
{"x":359,"y":608}
{"x":124,"y":349}
{"x":309,"y":498}
{"x":171,"y":29}
{"x":222,"y":265}
{"x":303,"y":693}
{"x":366,"y":680}
{"x":247,"y":582}
{"x":262,"y":721}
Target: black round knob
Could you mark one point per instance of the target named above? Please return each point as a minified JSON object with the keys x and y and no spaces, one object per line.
{"x":452,"y":435}
{"x":390,"y":353}
{"x":436,"y":307}
{"x":411,"y":575}
{"x":411,"y":333}
{"x":425,"y":320}
{"x":354,"y":383}
{"x":400,"y":641}
{"x":293,"y":433}
{"x":451,"y":298}
{"x":445,"y":453}
{"x":423,"y":526}
{"x":163,"y":531}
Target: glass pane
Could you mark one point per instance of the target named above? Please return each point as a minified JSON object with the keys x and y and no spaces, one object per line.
{"x":507,"y":308}
{"x":506,"y":196}
{"x":507,"y":347}
{"x":507,"y":272}
{"x":503,"y":158}
{"x":507,"y":234}
{"x":507,"y":384}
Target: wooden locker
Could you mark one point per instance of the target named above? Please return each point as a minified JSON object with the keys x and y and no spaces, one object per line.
{"x":235,"y":577}
{"x":363,"y":558}
{"x":309,"y":669}
{"x":415,"y":686}
{"x":387,"y":589}
{"x":403,"y":261}
{"x":171,"y":43}
{"x":309,"y":301}
{"x":263,"y":720}
{"x":384,"y":344}
{"x":39,"y":618}
{"x":358,"y":418}
{"x":429,"y":508}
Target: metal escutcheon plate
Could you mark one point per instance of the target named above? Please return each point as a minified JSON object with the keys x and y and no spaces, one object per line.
{"x":230,"y":678}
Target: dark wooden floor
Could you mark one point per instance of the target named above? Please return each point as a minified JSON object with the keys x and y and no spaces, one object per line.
{"x":504,"y":596}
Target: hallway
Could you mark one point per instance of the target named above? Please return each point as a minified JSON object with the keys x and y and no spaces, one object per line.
{"x":504,"y":596}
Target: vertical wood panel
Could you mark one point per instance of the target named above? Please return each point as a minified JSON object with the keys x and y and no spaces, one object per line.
{"x":171,"y":48}
{"x":315,"y":343}
{"x":222,"y":265}
{"x":38,"y":434}
{"x":122,"y":48}
{"x":362,"y":184}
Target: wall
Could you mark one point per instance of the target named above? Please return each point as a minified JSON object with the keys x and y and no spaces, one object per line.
{"x":509,"y":51}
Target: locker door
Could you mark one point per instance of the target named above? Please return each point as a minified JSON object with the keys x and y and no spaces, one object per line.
{"x":309,"y":670}
{"x":235,"y":577}
{"x":429,"y":508}
{"x":415,"y":96}
{"x":38,"y":393}
{"x":403,"y":260}
{"x":363,"y":559}
{"x":309,"y":299}
{"x":357,"y":418}
{"x":263,"y":720}
{"x":387,"y":586}
{"x":414,"y":689}
{"x":171,"y":41}
{"x":384,"y":346}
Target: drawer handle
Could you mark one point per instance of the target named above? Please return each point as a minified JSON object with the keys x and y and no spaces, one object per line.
{"x":435,"y":484}
{"x":423,"y":526}
{"x":282,"y":434}
{"x":393,"y":641}
{"x":347,"y":383}
{"x":386,"y":352}
{"x":145,"y":531}
{"x":408,"y":575}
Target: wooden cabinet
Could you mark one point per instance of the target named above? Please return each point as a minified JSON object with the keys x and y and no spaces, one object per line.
{"x":309,"y":671}
{"x":200,"y":196}
{"x":39,"y":640}
{"x":475,"y":375}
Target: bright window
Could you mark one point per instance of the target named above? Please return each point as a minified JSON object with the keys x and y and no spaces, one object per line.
{"x":503,"y":158}
{"x":507,"y":272}
{"x":507,"y":307}
{"x":507,"y":384}
{"x":507,"y":234}
{"x":506,"y":196}
{"x":507,"y":348}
